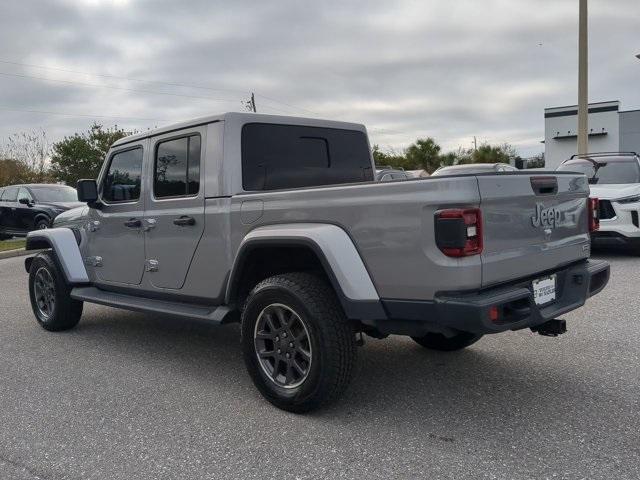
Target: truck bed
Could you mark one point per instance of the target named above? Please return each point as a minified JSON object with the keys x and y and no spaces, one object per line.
{"x":392,"y":226}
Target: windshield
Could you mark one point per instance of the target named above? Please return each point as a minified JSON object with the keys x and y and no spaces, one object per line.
{"x":603,"y":172}
{"x":55,"y":194}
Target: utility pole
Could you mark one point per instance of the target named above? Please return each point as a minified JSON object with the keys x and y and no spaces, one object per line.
{"x":475,"y":144}
{"x":250,"y":104}
{"x":583,"y":81}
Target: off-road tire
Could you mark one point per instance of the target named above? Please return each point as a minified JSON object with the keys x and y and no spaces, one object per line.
{"x":65,"y":312}
{"x":331,"y":338}
{"x":437,"y":341}
{"x":42,"y":224}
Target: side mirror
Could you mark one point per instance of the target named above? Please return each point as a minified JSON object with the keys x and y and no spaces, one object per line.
{"x":25,"y":201}
{"x":87,"y":191}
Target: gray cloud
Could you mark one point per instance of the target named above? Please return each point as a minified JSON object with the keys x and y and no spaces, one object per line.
{"x":447,"y":69}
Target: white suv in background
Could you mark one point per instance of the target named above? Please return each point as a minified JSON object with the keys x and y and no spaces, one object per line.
{"x":614,"y":179}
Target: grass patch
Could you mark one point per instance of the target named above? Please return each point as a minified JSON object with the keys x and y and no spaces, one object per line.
{"x":12,"y":244}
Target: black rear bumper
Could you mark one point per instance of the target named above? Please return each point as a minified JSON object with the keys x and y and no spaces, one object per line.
{"x":613,"y":239}
{"x":470,"y":311}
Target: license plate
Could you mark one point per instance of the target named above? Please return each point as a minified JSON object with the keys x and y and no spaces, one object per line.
{"x":544,"y":290}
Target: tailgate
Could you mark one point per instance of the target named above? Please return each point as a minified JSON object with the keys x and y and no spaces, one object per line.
{"x":532,"y":223}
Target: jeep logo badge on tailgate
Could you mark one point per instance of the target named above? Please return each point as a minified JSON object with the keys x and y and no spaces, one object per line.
{"x":546,"y":217}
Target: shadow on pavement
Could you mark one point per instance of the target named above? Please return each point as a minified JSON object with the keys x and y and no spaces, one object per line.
{"x":396,"y":380}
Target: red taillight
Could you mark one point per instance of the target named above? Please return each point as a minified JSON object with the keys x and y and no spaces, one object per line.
{"x":459,"y":232}
{"x":594,"y":216}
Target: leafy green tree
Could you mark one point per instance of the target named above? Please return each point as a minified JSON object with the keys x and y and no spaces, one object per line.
{"x":487,"y":153}
{"x":494,"y":153}
{"x":81,"y":155}
{"x":425,"y":153}
{"x":393,"y":159}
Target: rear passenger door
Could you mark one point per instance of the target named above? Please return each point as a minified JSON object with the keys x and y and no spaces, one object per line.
{"x":174,"y":214}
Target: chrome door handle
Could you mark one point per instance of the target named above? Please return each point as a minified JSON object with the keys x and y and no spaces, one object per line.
{"x":184,"y":221}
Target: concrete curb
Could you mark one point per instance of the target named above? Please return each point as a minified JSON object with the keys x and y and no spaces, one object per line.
{"x":20,"y":252}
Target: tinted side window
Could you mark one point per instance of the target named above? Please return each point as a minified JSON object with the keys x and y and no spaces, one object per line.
{"x":177,"y":167}
{"x":10,"y":194}
{"x":122,"y":182}
{"x":289,"y":156}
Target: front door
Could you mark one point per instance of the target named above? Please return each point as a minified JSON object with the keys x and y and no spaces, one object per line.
{"x":116,"y":233}
{"x":174,"y":215}
{"x":8,"y":207}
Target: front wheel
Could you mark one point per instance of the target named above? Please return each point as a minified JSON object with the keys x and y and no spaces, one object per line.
{"x":297,"y":344}
{"x":50,"y":296}
{"x":437,"y":341}
{"x":42,"y":224}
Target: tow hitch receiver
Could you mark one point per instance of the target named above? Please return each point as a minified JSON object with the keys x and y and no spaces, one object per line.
{"x":552,"y":328}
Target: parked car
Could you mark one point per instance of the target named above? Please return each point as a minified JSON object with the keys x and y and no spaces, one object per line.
{"x":474,"y":169}
{"x":387,"y":174}
{"x":278,"y":223}
{"x":614,"y":179}
{"x":24,"y":208}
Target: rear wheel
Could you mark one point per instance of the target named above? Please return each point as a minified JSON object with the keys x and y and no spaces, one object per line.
{"x":297,"y":343}
{"x":437,"y":341}
{"x":50,"y":296}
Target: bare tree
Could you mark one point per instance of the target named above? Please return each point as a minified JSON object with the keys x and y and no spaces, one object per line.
{"x":32,"y":150}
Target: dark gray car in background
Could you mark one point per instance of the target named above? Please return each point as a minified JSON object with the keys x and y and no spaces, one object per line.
{"x":28,"y":207}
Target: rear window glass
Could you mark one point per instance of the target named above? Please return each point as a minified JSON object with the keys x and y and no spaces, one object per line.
{"x":290,"y":156}
{"x":602,"y":172}
{"x":177,"y":167}
{"x":55,"y":194}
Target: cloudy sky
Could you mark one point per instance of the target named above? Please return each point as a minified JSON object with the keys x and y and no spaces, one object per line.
{"x":442,"y":68}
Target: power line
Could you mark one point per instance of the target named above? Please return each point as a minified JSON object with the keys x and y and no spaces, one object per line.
{"x":46,"y":112}
{"x":84,"y":84}
{"x":157,"y":82}
{"x":154,"y":92}
{"x":287,"y":104}
{"x":118,"y":77}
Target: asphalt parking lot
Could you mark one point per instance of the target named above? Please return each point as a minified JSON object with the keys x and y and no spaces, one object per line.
{"x":130,"y":396}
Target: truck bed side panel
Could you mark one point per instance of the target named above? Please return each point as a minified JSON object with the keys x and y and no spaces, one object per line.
{"x":390,"y":223}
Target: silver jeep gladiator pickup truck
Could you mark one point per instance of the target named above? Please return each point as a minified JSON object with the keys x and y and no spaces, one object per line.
{"x":277,"y":223}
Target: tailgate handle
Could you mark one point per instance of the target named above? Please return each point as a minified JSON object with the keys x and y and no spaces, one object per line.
{"x":544,"y":185}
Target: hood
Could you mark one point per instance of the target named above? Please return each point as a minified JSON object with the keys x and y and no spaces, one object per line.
{"x":61,"y":205}
{"x":71,"y":216}
{"x":614,"y":191}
